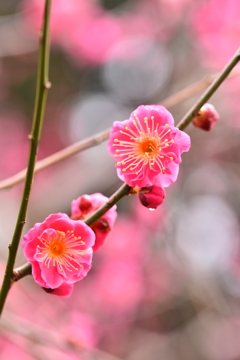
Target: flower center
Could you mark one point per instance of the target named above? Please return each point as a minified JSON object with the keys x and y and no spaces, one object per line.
{"x":57,"y":248}
{"x":148,"y":147}
{"x":60,"y":249}
{"x":145,"y":145}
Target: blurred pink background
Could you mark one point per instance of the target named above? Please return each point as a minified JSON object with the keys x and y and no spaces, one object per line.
{"x":166,"y":285}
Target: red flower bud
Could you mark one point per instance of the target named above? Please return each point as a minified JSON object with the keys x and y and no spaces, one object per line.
{"x":153,"y":198}
{"x":101,"y":225}
{"x":85,"y":204}
{"x":206,"y":118}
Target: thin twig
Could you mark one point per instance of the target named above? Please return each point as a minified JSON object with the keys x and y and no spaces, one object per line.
{"x":125,"y":189}
{"x":20,"y":272}
{"x":210,"y":91}
{"x":57,"y":157}
{"x":194,"y":88}
{"x":43,"y":85}
{"x":97,"y":139}
{"x":118,"y":195}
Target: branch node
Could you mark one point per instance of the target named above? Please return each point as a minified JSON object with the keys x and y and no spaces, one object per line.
{"x":15,"y":276}
{"x":40,"y":34}
{"x":196,"y":113}
{"x":48,"y":85}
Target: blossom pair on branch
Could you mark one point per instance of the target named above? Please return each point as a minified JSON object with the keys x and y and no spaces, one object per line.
{"x":60,"y":248}
{"x":148,"y":149}
{"x":145,"y":150}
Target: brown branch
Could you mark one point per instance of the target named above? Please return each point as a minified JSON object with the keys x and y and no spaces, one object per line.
{"x":195,"y":88}
{"x":21,"y":271}
{"x":103,"y":136}
{"x":210,"y":91}
{"x":118,"y":195}
{"x":57,"y":157}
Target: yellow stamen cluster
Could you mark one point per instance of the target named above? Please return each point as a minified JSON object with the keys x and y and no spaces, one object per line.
{"x":61,"y":250}
{"x":144,"y":146}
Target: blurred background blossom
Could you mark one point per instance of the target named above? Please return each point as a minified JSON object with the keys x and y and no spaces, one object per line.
{"x":167,"y":283}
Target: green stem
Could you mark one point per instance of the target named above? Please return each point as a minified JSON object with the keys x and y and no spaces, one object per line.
{"x":118,"y":195}
{"x":209,"y":92}
{"x":125,"y":189}
{"x":21,"y":271}
{"x":43,"y":85}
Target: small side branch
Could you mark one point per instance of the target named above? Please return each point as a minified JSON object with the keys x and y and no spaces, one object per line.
{"x":21,"y":271}
{"x":118,"y":195}
{"x":209,"y":92}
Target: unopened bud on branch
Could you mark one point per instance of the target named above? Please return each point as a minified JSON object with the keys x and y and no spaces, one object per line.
{"x":152,"y":198}
{"x":206,"y":118}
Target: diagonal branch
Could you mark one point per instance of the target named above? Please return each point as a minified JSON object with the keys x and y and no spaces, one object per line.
{"x":103,"y":136}
{"x":125,"y":189}
{"x":210,"y":91}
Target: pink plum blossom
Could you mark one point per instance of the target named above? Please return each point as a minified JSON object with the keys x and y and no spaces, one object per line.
{"x":85,"y":205}
{"x":151,"y":197}
{"x":60,"y":251}
{"x":207,"y":117}
{"x":148,"y":147}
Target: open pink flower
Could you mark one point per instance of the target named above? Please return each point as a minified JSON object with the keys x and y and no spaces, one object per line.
{"x":60,"y":251}
{"x":148,"y":147}
{"x":85,"y":205}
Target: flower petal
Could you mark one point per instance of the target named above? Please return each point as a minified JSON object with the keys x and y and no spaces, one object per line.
{"x":51,"y":276}
{"x":36,"y":273}
{"x":65,"y":290}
